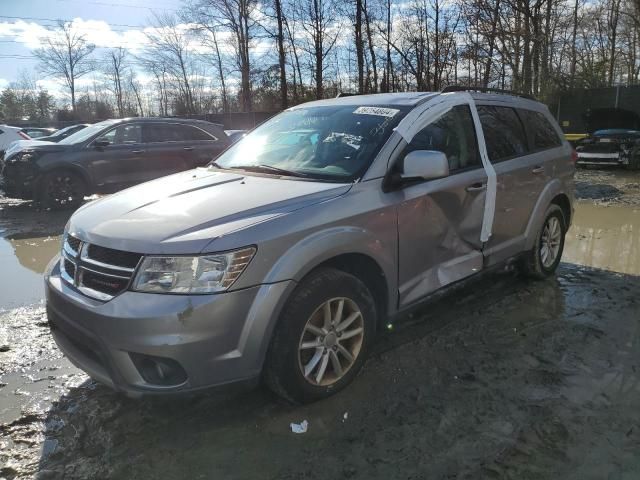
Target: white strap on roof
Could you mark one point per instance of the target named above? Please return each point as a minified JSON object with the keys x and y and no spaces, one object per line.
{"x":430,"y":112}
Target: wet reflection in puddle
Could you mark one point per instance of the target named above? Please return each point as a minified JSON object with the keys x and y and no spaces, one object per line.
{"x":22,"y":263}
{"x":604,"y":237}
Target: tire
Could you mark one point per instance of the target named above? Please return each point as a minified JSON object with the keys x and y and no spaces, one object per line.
{"x":286,"y":357}
{"x":535,"y":264}
{"x":61,"y":189}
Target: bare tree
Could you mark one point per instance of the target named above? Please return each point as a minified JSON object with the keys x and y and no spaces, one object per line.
{"x":116,"y":68}
{"x":318,"y":20}
{"x":66,"y":55}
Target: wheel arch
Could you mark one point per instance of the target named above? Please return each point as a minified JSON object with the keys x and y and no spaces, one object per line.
{"x":351,"y":249}
{"x":553,"y":193}
{"x":369,"y":272}
{"x":67,"y":167}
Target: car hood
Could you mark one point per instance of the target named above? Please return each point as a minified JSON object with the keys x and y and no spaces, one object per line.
{"x":183,"y":213}
{"x":35,"y":145}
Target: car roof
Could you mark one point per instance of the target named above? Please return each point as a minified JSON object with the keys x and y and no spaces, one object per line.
{"x":9,"y":127}
{"x":412,"y":99}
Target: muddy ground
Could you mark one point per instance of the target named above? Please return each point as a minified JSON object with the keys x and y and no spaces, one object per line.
{"x":505,"y":379}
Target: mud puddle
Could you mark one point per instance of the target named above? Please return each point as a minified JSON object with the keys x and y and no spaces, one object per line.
{"x":604,"y":237}
{"x":23,"y":259}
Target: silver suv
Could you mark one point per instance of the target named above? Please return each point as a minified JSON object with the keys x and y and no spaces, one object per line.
{"x":281,"y":259}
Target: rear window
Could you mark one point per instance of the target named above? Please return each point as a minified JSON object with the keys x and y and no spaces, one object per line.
{"x":503,"y":132}
{"x":193,"y":133}
{"x":541,"y":132}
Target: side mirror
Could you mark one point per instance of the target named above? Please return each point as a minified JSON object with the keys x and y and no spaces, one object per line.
{"x":101,"y":143}
{"x":425,"y":164}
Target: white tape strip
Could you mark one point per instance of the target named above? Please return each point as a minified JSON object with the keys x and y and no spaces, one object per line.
{"x":490,"y":196}
{"x":430,"y":112}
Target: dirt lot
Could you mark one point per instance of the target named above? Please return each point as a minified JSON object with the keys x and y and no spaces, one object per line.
{"x":505,"y":379}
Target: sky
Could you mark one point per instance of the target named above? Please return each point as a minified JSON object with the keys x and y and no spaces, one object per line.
{"x":107,"y":23}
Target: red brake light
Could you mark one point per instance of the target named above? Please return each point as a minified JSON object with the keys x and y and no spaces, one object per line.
{"x":574,"y":156}
{"x":24,"y":135}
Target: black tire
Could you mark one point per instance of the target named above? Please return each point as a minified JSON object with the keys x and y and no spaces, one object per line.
{"x":61,"y":189}
{"x":532,"y":264}
{"x":283,"y":367}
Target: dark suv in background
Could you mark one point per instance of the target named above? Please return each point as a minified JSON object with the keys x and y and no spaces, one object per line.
{"x":108,"y":156}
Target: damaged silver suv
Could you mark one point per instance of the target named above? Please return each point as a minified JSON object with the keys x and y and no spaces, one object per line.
{"x":281,"y":259}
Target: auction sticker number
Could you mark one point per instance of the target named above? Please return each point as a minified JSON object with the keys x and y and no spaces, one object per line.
{"x":379,"y":111}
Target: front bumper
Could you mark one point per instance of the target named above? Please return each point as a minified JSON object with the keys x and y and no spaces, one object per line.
{"x":215,"y":339}
{"x":18,"y":179}
{"x":597,"y":158}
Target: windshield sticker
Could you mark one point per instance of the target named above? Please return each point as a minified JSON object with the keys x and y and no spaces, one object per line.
{"x":379,"y":111}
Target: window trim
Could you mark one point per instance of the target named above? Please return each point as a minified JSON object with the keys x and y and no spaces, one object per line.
{"x":526,"y":135}
{"x":213,"y":137}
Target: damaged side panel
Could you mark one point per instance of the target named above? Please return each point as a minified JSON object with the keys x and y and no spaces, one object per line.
{"x":439,"y":224}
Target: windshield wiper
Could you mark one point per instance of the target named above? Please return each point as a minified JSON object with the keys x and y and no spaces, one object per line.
{"x":269,"y":168}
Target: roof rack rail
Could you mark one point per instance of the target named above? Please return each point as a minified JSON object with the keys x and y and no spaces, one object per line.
{"x":460,"y":88}
{"x":346,"y":94}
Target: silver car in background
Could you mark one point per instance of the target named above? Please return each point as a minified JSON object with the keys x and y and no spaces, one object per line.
{"x":280,"y":260}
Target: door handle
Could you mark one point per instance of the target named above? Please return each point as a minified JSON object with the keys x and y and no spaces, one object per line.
{"x":476,"y":187}
{"x":538,"y":169}
{"x":188,"y":149}
{"x":137,"y":151}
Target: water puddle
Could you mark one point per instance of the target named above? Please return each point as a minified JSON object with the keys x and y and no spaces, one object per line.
{"x":22,"y":263}
{"x":605,"y":237}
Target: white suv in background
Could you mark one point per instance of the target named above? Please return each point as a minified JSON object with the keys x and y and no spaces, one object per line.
{"x":8,"y":135}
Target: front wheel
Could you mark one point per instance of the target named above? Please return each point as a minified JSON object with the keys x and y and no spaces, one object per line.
{"x":61,"y":189}
{"x":543,"y":260}
{"x":323,"y":337}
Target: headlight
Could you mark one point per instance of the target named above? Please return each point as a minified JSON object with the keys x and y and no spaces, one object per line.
{"x":21,"y":157}
{"x":202,"y":274}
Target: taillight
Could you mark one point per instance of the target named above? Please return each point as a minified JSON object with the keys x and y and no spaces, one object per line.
{"x":24,"y":135}
{"x":574,"y":156}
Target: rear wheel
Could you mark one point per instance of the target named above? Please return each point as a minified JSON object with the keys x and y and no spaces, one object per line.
{"x":62,"y":189}
{"x":543,"y":260}
{"x":323,"y":337}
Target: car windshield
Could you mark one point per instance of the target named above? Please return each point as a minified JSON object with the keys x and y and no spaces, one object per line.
{"x":86,"y":133}
{"x":336,"y":143}
{"x":62,"y":131}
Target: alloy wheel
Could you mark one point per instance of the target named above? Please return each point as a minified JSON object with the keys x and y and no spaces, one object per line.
{"x":550,"y":241}
{"x":331,"y":341}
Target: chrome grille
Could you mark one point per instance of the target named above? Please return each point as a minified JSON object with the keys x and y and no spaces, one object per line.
{"x":96,"y":271}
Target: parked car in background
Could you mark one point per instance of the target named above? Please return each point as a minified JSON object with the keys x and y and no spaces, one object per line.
{"x":63,"y":133}
{"x":610,"y":147}
{"x":108,"y":156}
{"x":8,"y":135}
{"x":37,"y":132}
{"x":282,"y":258}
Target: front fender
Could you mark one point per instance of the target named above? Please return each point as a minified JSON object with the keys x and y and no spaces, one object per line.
{"x":321,"y":246}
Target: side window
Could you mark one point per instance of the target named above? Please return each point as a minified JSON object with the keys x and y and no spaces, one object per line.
{"x":172,"y":132}
{"x":190,"y":133}
{"x":454,"y":135}
{"x":123,"y":135}
{"x":503,"y":132}
{"x":541,"y":132}
{"x":159,"y":132}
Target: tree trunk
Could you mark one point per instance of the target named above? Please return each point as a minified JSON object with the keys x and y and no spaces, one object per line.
{"x":281,"y":57}
{"x":359,"y":46}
